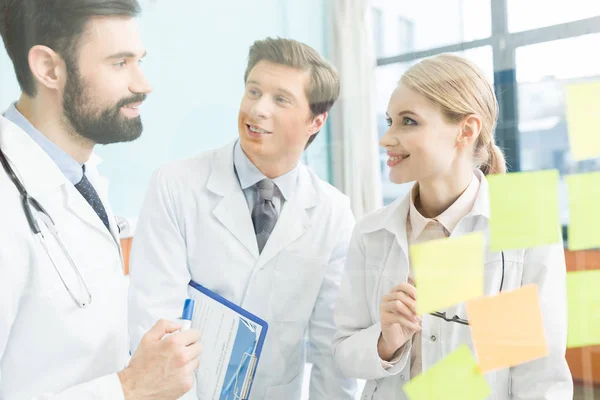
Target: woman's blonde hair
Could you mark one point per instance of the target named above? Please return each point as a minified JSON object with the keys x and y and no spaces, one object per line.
{"x":460,"y":89}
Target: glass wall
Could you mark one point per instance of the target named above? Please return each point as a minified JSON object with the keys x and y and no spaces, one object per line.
{"x":531,"y":50}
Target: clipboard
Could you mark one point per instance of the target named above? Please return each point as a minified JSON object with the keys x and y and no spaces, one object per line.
{"x":247,"y":344}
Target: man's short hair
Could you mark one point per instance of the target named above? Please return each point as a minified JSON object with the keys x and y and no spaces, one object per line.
{"x":324,"y":87}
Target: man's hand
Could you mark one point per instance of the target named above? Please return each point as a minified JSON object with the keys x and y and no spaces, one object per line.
{"x":162,"y":369}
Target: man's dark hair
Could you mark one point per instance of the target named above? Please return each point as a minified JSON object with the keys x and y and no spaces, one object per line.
{"x":57,"y":24}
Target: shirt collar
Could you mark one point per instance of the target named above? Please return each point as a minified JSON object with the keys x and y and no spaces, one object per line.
{"x":248,"y":174}
{"x":67,"y":164}
{"x":451,"y":216}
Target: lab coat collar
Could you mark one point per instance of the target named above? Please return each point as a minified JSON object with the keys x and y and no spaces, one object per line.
{"x":223,"y":181}
{"x":232,"y":211}
{"x":33,"y":166}
{"x":40,"y":174}
{"x":481,"y":207}
{"x":393,"y":218}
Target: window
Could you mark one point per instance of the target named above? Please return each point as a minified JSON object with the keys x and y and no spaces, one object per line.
{"x":406,"y":35}
{"x":378,"y":31}
{"x":533,"y":70}
{"x":543,"y":71}
{"x":526,"y":15}
{"x":408,"y":27}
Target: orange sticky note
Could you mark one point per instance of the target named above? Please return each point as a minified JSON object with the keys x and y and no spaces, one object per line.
{"x":507,"y":329}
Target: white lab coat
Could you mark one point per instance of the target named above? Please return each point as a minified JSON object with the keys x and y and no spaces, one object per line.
{"x":378,"y":260}
{"x":49,"y":348}
{"x":196,"y":224}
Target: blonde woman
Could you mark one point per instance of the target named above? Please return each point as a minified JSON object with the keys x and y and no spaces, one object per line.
{"x":441,"y":121}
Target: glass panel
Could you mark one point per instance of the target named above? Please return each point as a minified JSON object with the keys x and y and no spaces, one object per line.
{"x":387,"y":78}
{"x":403,"y":29}
{"x":543,"y":71}
{"x":526,"y":15}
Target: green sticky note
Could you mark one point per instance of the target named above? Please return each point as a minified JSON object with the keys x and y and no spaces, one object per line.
{"x":584,"y":218}
{"x":524,"y":210}
{"x":583,"y":293}
{"x":456,"y":377}
{"x":448,"y":271}
{"x":583,"y":119}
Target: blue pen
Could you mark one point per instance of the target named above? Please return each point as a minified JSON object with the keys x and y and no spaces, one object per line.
{"x":187,"y":315}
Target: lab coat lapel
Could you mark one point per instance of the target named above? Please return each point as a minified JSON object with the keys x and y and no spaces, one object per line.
{"x":39,"y":173}
{"x":232,"y":210}
{"x":293,"y":221}
{"x":393,"y":219}
{"x":395,"y":222}
{"x":80,"y":207}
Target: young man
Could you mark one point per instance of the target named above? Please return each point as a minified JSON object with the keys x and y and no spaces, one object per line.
{"x":63,"y":329}
{"x":253,"y":224}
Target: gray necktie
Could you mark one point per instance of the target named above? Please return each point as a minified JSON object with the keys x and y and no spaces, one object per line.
{"x":264,"y":215}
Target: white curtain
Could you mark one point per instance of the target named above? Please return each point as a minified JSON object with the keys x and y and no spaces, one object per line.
{"x":355,"y":151}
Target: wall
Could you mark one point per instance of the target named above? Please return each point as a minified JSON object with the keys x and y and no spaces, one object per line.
{"x":196,"y":60}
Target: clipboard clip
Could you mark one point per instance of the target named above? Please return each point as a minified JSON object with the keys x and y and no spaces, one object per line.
{"x":240,"y":392}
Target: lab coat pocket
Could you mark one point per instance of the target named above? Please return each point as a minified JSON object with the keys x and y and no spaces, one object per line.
{"x":296,"y":283}
{"x":290,"y":390}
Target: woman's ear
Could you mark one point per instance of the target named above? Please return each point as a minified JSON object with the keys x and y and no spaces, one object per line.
{"x":469,"y":132}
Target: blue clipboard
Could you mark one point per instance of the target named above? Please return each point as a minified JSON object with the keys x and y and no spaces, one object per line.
{"x":246,"y":350}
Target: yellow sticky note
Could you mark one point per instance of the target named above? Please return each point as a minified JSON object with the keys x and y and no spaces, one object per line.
{"x":507,"y":329}
{"x":583,"y":119}
{"x":456,"y":377}
{"x":447,"y":271}
{"x":524,"y":210}
{"x":584,"y":218}
{"x":583,"y":292}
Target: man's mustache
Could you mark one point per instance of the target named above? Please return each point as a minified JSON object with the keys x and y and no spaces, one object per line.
{"x":136,"y":98}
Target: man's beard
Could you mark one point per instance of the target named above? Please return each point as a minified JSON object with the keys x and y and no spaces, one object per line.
{"x":100,"y":125}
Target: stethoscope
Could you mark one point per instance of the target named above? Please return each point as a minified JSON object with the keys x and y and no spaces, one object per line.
{"x":31,"y":206}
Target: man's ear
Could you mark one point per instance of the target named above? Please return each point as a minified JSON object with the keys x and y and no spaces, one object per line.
{"x":47,"y":66}
{"x":317,"y":123}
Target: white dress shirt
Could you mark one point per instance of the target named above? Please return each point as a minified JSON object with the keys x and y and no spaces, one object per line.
{"x":249,"y":175}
